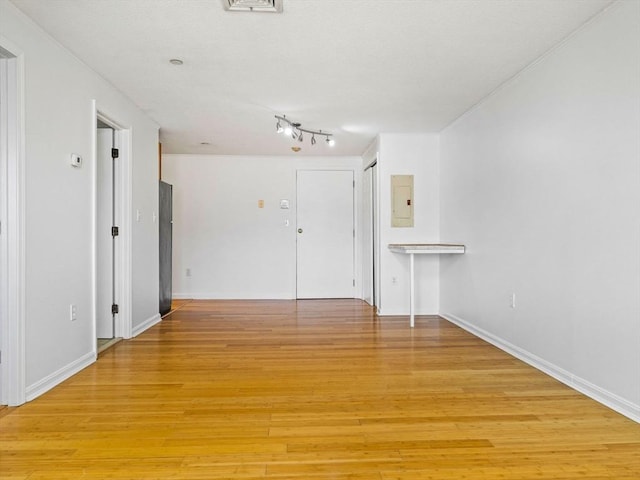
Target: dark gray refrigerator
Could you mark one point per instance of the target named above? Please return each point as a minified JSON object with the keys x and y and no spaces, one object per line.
{"x":166,"y":229}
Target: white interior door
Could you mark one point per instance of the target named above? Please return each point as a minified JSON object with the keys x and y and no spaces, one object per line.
{"x":325,"y":238}
{"x":104,"y":240}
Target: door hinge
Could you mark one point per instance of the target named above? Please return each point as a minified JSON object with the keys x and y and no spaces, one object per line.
{"x":354,"y":282}
{"x":115,"y":153}
{"x":114,"y":309}
{"x":354,"y":233}
{"x":354,"y":184}
{"x":115,"y":231}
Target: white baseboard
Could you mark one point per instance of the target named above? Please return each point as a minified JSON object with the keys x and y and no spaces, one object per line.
{"x":404,"y":313}
{"x":213,"y":296}
{"x":59,"y":376}
{"x":147,"y":324}
{"x":609,"y":399}
{"x":181,"y":296}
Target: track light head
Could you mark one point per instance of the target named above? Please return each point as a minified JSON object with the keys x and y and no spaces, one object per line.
{"x":295,"y":131}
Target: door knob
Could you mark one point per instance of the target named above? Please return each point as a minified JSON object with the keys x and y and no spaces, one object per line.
{"x":299,"y":230}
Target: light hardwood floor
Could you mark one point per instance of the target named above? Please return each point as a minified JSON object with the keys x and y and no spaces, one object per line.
{"x":312,"y":390}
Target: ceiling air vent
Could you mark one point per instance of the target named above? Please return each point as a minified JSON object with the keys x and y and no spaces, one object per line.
{"x":253,"y":5}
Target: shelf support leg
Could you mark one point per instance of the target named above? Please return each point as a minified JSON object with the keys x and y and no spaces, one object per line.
{"x":411,"y":292}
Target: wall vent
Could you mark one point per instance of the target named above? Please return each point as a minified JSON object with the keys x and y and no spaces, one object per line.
{"x":274,"y":6}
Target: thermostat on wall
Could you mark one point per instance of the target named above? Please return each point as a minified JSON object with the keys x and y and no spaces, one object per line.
{"x":76,"y":160}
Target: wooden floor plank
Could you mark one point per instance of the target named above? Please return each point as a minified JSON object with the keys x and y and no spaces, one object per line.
{"x":312,"y":390}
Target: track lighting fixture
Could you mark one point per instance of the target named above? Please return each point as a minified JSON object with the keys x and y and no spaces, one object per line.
{"x":295,"y":130}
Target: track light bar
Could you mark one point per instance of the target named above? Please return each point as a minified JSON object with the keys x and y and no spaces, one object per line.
{"x":295,"y":130}
{"x":274,"y":6}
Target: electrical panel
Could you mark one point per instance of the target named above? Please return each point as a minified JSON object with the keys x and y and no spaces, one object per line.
{"x":402,"y":200}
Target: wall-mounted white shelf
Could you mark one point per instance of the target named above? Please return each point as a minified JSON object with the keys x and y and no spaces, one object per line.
{"x":412,"y":249}
{"x":422,"y":248}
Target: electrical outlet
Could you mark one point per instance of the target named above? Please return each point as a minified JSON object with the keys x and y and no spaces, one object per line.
{"x":188,"y":272}
{"x":73,"y":312}
{"x":394,"y":280}
{"x":513,"y":300}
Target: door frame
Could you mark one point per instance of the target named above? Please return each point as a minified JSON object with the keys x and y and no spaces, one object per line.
{"x":375,"y":204}
{"x":369,"y":234}
{"x":123,"y":176}
{"x":12,"y":234}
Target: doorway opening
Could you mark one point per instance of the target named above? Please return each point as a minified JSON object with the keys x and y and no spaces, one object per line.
{"x":112,"y":297}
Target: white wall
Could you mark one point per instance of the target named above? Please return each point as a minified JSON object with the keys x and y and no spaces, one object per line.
{"x":59,"y":120}
{"x":233,"y":248}
{"x":409,"y":154}
{"x":542,"y":183}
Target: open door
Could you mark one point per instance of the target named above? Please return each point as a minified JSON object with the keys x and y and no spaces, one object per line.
{"x":105,"y":237}
{"x":113,"y":231}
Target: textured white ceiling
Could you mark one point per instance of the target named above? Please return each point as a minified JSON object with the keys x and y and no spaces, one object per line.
{"x":351,"y":67}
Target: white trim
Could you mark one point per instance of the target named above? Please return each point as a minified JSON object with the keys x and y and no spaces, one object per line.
{"x":59,"y":376}
{"x":611,"y":400}
{"x":404,"y":313}
{"x":125,"y":316}
{"x":366,"y":239}
{"x":370,"y":159}
{"x":124,"y":322}
{"x":217,"y":296}
{"x":146,"y":325}
{"x":94,"y":227}
{"x":12,"y":243}
{"x":183,"y":296}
